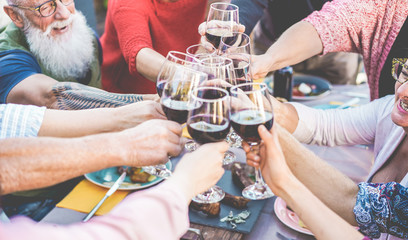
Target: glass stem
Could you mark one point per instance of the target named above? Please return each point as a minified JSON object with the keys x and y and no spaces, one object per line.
{"x":258,"y":175}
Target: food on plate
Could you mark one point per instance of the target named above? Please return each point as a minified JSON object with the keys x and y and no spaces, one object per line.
{"x":301,"y":224}
{"x":136,"y":175}
{"x":241,"y":174}
{"x":235,"y":201}
{"x":306,"y":89}
{"x":209,"y":209}
{"x":237,"y":219}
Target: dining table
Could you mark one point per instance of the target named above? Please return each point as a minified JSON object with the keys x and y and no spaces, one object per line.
{"x":268,"y":226}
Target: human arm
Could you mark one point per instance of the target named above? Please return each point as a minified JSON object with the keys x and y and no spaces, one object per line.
{"x":41,"y":90}
{"x":25,"y":161}
{"x":76,"y":123}
{"x":299,"y":42}
{"x":148,"y":63}
{"x":321,"y":220}
{"x":351,"y":126}
{"x":22,"y":82}
{"x":333,"y":188}
{"x":150,"y":214}
{"x":340,"y":26}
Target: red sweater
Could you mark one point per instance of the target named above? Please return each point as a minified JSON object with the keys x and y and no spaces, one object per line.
{"x":135,"y":24}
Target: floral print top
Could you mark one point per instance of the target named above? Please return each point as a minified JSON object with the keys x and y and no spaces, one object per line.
{"x":382,"y":208}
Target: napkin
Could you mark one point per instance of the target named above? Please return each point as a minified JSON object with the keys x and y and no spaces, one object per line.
{"x":86,"y":195}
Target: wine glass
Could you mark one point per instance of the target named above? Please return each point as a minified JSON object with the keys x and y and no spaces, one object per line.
{"x":223,"y":19}
{"x":208,"y":121}
{"x":173,"y":59}
{"x":235,"y":42}
{"x":200,"y":51}
{"x":175,"y":102}
{"x":251,"y":107}
{"x":176,"y":95}
{"x":221,"y":74}
{"x":241,"y":63}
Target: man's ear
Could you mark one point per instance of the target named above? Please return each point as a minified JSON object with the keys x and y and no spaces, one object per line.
{"x":14,"y":16}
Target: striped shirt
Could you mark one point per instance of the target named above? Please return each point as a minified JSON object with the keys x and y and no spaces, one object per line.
{"x":20,"y":120}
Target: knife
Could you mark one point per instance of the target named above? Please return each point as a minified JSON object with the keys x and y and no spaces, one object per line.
{"x":113,"y":189}
{"x":349,"y":103}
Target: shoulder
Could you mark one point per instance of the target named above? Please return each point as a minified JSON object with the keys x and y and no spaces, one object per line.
{"x":12,"y":38}
{"x":16,"y":58}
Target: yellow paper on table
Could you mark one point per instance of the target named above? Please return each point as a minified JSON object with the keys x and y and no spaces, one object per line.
{"x":86,"y":195}
{"x":185,"y":133}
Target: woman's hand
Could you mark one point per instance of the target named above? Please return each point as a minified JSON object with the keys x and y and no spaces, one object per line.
{"x":270,"y":160}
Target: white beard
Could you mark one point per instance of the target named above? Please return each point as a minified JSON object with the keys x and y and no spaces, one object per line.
{"x":64,"y":56}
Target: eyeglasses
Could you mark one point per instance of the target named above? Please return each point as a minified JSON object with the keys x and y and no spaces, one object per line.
{"x":399,"y":70}
{"x":46,"y":9}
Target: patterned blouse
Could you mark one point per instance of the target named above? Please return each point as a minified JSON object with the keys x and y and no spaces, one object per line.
{"x":382,"y":208}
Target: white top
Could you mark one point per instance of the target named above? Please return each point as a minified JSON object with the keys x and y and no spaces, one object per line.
{"x":367,"y":124}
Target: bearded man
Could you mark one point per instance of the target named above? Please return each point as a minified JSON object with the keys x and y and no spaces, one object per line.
{"x":48,"y":55}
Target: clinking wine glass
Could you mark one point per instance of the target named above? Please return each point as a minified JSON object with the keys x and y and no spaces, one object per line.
{"x":208,"y":121}
{"x":221,"y":74}
{"x":223,"y":19}
{"x":175,"y":103}
{"x":251,"y":107}
{"x":200,"y":51}
{"x":241,"y":63}
{"x":167,"y":70}
{"x":235,"y":42}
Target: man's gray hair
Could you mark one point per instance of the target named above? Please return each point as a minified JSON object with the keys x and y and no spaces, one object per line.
{"x":15,"y":2}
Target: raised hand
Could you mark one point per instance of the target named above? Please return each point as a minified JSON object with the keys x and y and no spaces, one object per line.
{"x":150,"y":143}
{"x":271,"y":160}
{"x":199,"y":170}
{"x":136,"y":113}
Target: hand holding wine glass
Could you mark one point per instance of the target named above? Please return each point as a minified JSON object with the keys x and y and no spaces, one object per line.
{"x":175,"y":103}
{"x":223,"y":18}
{"x":208,"y":122}
{"x":250,"y":108}
{"x":221,"y":74}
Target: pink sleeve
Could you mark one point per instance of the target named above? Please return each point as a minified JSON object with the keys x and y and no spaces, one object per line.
{"x":150,"y":214}
{"x":342,"y":24}
{"x":131,"y":20}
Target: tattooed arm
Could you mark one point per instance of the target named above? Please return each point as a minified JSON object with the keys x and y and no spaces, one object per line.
{"x":42,"y":90}
{"x":78,"y":96}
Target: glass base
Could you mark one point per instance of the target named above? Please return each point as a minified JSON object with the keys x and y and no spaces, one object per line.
{"x":229,"y":157}
{"x":190,"y":146}
{"x":212,"y":195}
{"x":257,"y":191}
{"x":158,"y":170}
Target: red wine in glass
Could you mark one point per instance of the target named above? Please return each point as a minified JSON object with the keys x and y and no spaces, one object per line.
{"x":213,"y":35}
{"x":246,"y":123}
{"x":175,"y":110}
{"x":241,"y":68}
{"x":205,"y":129}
